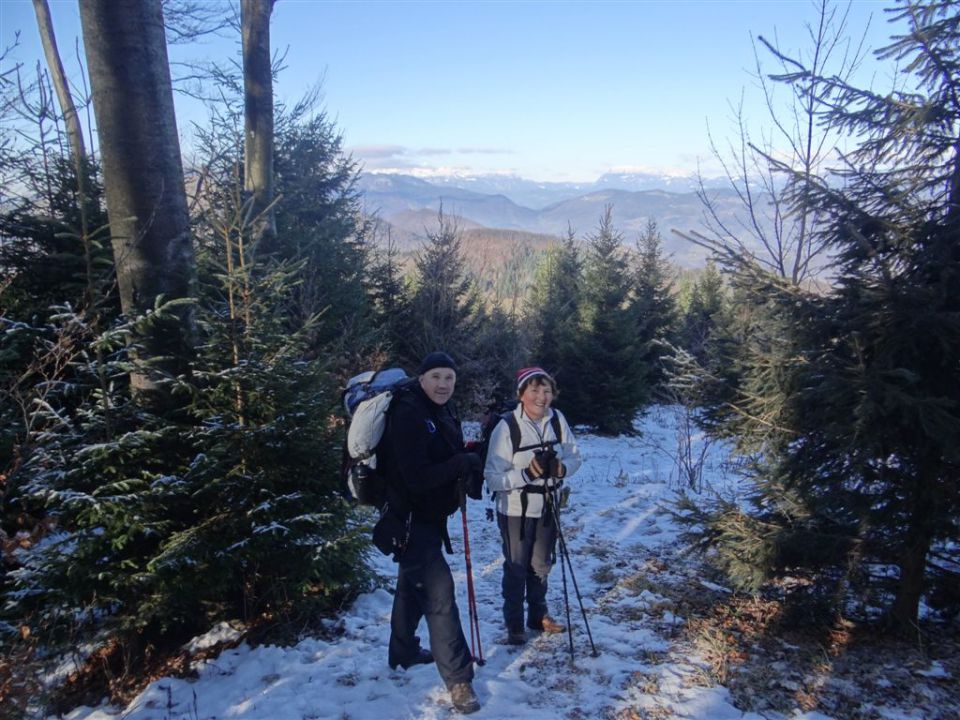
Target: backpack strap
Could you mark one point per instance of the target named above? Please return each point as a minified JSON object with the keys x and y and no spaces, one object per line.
{"x":515,"y":441}
{"x":515,"y":432}
{"x":514,"y":428}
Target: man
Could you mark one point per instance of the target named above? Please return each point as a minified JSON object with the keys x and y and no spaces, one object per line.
{"x":425,"y":461}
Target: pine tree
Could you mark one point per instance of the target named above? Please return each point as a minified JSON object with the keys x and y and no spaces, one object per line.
{"x":610,"y":386}
{"x":553,"y":316}
{"x":852,"y":398}
{"x":388,"y":295}
{"x":318,"y":221}
{"x":228,"y":510}
{"x":703,"y":313}
{"x":444,"y":310}
{"x":653,"y":304}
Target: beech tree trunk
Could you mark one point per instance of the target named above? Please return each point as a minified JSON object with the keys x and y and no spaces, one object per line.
{"x":258,"y":115}
{"x":142,"y":171}
{"x":60,"y":84}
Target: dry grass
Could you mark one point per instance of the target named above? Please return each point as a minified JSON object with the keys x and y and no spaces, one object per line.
{"x":778,"y":656}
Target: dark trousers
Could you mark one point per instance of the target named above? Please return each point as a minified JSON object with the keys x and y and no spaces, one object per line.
{"x":526,"y":565}
{"x":425,"y":589}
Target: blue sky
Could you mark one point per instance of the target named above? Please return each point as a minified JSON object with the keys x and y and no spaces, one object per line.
{"x":553,"y":91}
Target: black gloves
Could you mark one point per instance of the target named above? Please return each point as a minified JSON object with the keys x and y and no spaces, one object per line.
{"x":545,"y":465}
{"x":470,"y":464}
{"x":557,"y":469}
{"x":542,"y":464}
{"x":469,"y":473}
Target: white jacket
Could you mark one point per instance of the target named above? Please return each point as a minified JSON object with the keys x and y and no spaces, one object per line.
{"x":503,"y":472}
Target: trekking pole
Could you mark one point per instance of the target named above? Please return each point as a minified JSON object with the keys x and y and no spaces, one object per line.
{"x":565,"y":555}
{"x":471,"y":595}
{"x":563,"y":574}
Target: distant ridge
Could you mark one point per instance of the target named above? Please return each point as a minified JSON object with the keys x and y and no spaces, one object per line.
{"x":409,"y":205}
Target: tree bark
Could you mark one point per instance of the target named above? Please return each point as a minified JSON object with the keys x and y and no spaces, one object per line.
{"x":906,"y":604}
{"x":142,"y":170}
{"x":258,"y":115}
{"x":916,"y":546}
{"x":60,"y":84}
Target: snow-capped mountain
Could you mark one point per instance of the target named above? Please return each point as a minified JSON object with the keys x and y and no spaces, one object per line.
{"x":514,"y":203}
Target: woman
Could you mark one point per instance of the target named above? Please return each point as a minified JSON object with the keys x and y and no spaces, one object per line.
{"x":531,"y":452}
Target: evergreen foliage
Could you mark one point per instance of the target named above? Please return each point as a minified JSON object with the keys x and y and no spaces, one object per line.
{"x":318,"y":221}
{"x":52,"y":256}
{"x":703,"y":314}
{"x":849,"y":401}
{"x":226,"y":506}
{"x":317,"y":217}
{"x":653,"y":305}
{"x":555,"y":312}
{"x":444,"y":312}
{"x":611,"y":376}
{"x":388,"y":292}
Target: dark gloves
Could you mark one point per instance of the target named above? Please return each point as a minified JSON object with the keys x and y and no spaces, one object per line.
{"x":557,"y":469}
{"x":469,"y":473}
{"x":468,"y":463}
{"x":534,"y":470}
{"x":543,"y":464}
{"x":473,"y":486}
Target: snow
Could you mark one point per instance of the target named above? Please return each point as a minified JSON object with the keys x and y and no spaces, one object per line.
{"x":615,"y":526}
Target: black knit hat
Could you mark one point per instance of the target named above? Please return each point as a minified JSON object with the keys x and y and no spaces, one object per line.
{"x":436,"y":359}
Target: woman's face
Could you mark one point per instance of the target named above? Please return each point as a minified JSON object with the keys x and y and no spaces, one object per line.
{"x":438,"y":384}
{"x":536,"y":398}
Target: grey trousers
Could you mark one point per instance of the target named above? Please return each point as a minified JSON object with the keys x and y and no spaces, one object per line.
{"x":425,"y":590}
{"x":526,"y":565}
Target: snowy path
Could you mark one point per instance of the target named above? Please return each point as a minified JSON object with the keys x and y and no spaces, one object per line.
{"x":617,"y":536}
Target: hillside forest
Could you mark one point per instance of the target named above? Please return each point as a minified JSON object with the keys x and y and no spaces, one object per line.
{"x":176,"y":337}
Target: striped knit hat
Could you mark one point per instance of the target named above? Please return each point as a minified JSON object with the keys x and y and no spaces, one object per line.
{"x":524,"y":374}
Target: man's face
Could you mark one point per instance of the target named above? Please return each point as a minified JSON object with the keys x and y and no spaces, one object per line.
{"x":438,"y":384}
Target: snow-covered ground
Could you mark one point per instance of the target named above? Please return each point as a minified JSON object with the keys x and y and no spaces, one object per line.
{"x":619,"y":537}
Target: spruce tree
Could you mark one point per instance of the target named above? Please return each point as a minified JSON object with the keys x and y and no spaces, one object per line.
{"x":319,"y":222}
{"x":444,"y":310}
{"x":554,"y":312}
{"x":703,"y":314}
{"x":653,"y":305}
{"x":610,"y":384}
{"x":388,"y":296}
{"x":851,"y":397}
{"x":228,"y":508}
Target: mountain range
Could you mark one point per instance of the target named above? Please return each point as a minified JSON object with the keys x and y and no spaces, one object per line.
{"x":410,"y":205}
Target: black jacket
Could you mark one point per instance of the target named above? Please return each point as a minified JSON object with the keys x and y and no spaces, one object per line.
{"x":424,"y":443}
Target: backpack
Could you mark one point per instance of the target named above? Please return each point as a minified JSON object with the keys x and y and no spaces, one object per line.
{"x":367,"y":399}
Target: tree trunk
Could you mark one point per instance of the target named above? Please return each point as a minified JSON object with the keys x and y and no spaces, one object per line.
{"x":59,"y":79}
{"x":258,"y":115}
{"x":78,"y":150}
{"x":142,"y":170}
{"x":906,"y":604}
{"x":916,"y":546}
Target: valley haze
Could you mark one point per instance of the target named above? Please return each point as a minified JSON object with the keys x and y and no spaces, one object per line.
{"x":409,"y":205}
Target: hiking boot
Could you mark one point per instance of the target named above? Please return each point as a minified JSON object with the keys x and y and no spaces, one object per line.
{"x":464,"y":698}
{"x":423,"y":657}
{"x":547,"y":625}
{"x":516,"y":636}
